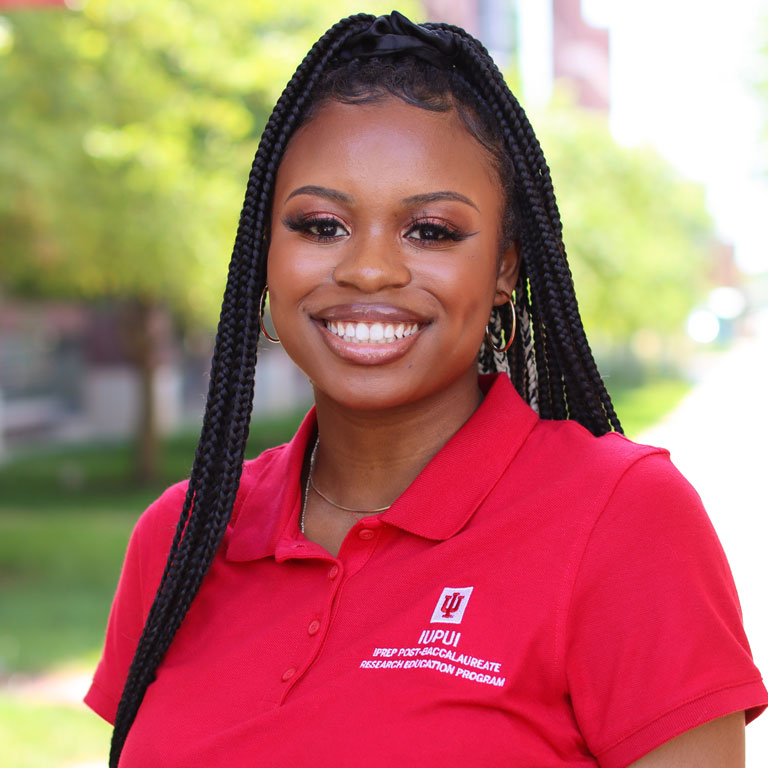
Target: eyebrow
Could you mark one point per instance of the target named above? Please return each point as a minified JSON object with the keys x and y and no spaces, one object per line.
{"x":432,"y":197}
{"x":342,"y":197}
{"x":329,"y":194}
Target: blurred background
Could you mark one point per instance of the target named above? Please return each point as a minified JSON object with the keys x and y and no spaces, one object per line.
{"x":127,"y":129}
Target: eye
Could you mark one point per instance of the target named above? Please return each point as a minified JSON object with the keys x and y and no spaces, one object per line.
{"x":320,"y":228}
{"x":433,"y":232}
{"x":325,"y":229}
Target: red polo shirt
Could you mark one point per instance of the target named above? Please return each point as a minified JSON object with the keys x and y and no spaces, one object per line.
{"x":537,"y":597}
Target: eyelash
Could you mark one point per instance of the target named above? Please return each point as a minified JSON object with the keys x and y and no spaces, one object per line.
{"x":441,"y":231}
{"x":304,"y":226}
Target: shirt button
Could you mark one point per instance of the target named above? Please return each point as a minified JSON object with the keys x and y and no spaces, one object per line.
{"x":313,"y":627}
{"x":366,"y":533}
{"x":333,"y":572}
{"x":289,"y":673}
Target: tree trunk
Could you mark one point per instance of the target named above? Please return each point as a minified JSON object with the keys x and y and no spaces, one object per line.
{"x":143,"y":326}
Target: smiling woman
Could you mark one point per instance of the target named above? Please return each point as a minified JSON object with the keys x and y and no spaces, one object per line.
{"x":383,"y":238}
{"x":463,"y":466}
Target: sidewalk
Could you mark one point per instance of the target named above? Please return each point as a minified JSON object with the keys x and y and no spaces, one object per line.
{"x":718,"y":438}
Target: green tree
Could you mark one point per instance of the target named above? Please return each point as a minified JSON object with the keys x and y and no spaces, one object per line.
{"x":638,"y":235}
{"x":128,"y":130}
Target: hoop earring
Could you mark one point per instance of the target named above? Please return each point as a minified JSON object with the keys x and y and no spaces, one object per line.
{"x":262,"y":327}
{"x":489,"y":338}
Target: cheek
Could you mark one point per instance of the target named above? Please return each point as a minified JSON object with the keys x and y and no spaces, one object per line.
{"x":281,"y":279}
{"x":290,"y":271}
{"x":469,"y":286}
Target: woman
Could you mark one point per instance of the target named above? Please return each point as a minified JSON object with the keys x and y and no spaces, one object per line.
{"x":439,"y":568}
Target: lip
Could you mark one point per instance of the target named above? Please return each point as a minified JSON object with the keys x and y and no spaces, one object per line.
{"x":367,"y":354}
{"x":370,"y":313}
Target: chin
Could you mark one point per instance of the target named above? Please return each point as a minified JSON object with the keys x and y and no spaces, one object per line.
{"x":370,"y":389}
{"x":366,"y":396}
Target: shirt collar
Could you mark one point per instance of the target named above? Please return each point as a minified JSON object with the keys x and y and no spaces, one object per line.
{"x":437,"y":504}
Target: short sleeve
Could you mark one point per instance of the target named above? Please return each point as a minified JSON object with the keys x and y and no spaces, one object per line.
{"x":142,"y":569}
{"x":655,"y":644}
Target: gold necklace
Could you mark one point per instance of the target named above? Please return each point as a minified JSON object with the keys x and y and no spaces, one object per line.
{"x":311,"y":484}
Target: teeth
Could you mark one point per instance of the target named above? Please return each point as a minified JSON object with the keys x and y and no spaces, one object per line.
{"x":372,"y":333}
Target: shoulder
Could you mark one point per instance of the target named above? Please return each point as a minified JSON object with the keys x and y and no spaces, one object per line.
{"x":261,"y":473}
{"x":578,"y":473}
{"x":643,"y":496}
{"x":569,"y":440}
{"x":157,"y":524}
{"x":255,"y":469}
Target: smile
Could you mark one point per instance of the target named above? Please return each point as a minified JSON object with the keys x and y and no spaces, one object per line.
{"x":371,"y":333}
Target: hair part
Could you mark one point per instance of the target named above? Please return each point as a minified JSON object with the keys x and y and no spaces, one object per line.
{"x":549,"y":362}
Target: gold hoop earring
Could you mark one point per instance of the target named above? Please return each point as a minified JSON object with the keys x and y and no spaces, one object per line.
{"x":262,"y":327}
{"x":489,"y":339}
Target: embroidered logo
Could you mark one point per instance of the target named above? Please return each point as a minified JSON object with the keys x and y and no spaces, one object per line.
{"x":451,"y":605}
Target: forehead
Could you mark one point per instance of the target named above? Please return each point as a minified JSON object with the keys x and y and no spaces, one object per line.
{"x":387,"y":144}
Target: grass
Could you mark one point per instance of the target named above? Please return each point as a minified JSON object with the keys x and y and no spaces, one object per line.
{"x":641,"y":407}
{"x":58,"y":570}
{"x":42,"y":736}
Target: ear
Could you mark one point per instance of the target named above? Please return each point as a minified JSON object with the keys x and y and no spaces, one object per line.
{"x":509,"y":270}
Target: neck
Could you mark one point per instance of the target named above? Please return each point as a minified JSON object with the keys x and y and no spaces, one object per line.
{"x":366,"y":459}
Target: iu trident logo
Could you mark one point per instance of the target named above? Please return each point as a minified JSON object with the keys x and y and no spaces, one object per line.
{"x":451,"y":605}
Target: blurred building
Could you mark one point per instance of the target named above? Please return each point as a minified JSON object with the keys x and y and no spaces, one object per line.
{"x":581,"y":56}
{"x":548,"y":41}
{"x":67,"y":373}
{"x":492,"y":21}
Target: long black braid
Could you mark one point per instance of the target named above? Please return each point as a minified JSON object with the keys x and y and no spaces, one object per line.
{"x":549,"y":362}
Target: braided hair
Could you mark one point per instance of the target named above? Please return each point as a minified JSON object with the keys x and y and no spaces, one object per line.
{"x":549,"y":361}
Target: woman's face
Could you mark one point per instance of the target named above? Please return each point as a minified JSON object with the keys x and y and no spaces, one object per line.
{"x":384,"y":257}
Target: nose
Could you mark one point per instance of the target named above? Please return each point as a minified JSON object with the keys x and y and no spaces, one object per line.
{"x":372,"y":262}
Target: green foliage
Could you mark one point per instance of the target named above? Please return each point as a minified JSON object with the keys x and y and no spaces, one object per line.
{"x":638,"y":236}
{"x":127,"y":134}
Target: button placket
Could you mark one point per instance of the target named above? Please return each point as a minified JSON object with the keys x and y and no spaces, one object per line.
{"x":316,"y":630}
